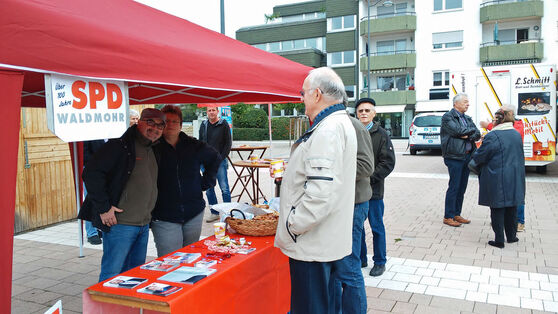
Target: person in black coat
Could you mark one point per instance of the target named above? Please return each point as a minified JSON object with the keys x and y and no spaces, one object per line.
{"x":458,"y":133}
{"x":178,"y":214}
{"x":384,"y":162}
{"x":502,"y":176}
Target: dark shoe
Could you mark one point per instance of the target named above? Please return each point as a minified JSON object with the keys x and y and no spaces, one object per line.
{"x":377,"y":270}
{"x":513,"y":240}
{"x":496,"y":244}
{"x":451,"y":222}
{"x":364,"y":264}
{"x":462,"y":220}
{"x":95,"y":240}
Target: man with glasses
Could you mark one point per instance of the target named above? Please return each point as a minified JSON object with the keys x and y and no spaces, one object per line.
{"x":317,"y":194}
{"x":121,"y":181}
{"x":384,"y":162}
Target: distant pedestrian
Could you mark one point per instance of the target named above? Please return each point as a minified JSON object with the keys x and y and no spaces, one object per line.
{"x":217,"y":133}
{"x":134,"y":117}
{"x":459,"y":134}
{"x":384,"y":162}
{"x":501,"y":162}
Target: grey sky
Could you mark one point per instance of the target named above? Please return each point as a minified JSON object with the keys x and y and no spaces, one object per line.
{"x":238,"y":13}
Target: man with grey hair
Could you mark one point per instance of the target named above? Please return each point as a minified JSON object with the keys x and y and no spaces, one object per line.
{"x":459,"y":134}
{"x":318,"y":193}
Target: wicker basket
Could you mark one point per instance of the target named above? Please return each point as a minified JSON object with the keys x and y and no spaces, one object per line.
{"x":260,"y":226}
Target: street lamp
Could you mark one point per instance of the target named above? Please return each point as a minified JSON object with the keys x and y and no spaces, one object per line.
{"x":386,"y":4}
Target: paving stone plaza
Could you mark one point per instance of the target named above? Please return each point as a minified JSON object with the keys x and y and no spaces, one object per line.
{"x":431,"y":268}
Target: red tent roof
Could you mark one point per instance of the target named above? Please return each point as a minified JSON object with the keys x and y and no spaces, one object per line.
{"x":164,"y":59}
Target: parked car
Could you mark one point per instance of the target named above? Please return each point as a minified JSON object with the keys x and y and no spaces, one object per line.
{"x":424,"y":132}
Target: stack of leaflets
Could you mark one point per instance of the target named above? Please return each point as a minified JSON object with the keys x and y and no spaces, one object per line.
{"x":188,"y":275}
{"x":159,"y":289}
{"x":124,"y":282}
{"x":159,"y":265}
{"x":180,"y":257}
{"x":205,"y":263}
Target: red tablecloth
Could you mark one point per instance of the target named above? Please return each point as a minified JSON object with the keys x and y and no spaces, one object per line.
{"x":255,"y":283}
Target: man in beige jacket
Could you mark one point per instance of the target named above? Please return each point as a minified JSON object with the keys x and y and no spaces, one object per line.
{"x":318,"y":193}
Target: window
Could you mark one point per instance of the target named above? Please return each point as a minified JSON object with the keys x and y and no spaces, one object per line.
{"x":341,"y":58}
{"x":341,"y":23}
{"x":447,"y":40}
{"x":386,"y":83}
{"x":350,"y":90}
{"x":260,"y":46}
{"x":440,"y":5}
{"x":389,"y":47}
{"x":394,"y":10}
{"x":512,"y":36}
{"x":276,"y":46}
{"x":441,"y":78}
{"x":439,"y":93}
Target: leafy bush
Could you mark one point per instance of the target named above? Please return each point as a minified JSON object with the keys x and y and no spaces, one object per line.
{"x":251,"y":118}
{"x":250,"y":134}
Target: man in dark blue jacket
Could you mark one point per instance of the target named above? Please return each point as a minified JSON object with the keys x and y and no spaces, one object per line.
{"x":384,"y":162}
{"x":459,"y":134}
{"x":217,"y":133}
{"x":121,"y":182}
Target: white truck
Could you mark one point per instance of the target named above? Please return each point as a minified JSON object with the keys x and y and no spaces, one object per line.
{"x":529,"y":88}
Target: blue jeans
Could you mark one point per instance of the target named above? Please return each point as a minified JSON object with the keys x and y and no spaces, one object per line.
{"x":521,"y":214}
{"x":376,"y":220}
{"x":349,"y":292}
{"x":124,"y":247}
{"x":223,"y":185}
{"x":89,"y":229}
{"x":459,"y":176}
{"x":310,"y":287}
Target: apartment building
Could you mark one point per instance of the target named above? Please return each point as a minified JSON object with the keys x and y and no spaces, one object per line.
{"x":401,"y":52}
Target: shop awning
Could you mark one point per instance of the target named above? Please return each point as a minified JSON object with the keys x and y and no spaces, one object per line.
{"x":433,"y":105}
{"x":390,"y":108}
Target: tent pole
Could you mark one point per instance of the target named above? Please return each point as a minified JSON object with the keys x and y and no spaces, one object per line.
{"x":270,"y":109}
{"x":78,"y":196}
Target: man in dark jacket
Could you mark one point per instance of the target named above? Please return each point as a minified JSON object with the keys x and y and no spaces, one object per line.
{"x":217,"y":133}
{"x":459,"y":134}
{"x":121,"y":181}
{"x":384,"y":162}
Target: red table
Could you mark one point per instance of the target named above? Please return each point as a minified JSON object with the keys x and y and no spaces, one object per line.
{"x":255,"y":283}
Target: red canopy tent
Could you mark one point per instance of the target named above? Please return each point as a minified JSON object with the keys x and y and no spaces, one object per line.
{"x":163,"y":59}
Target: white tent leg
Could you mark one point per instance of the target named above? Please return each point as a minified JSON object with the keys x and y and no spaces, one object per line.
{"x":272,"y":184}
{"x":78,"y":195}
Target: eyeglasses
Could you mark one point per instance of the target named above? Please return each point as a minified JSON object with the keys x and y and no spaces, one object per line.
{"x":302,"y":91}
{"x":364,"y":110}
{"x":152,"y":123}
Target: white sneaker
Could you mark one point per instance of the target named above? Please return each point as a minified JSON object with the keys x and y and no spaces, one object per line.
{"x":212,"y":218}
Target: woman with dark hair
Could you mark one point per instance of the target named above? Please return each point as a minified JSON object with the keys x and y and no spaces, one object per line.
{"x":502,"y":176}
{"x":178,"y":213}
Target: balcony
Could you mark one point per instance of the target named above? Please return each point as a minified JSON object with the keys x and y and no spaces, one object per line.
{"x":389,"y":60}
{"x":385,"y":24}
{"x":309,"y":56}
{"x":501,"y":10}
{"x":531,"y":50}
{"x":393,"y":97}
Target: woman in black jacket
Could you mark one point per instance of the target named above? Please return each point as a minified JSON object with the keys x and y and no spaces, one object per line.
{"x":178,"y":214}
{"x":502,"y":176}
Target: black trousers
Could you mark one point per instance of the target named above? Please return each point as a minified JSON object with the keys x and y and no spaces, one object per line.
{"x":504,"y":219}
